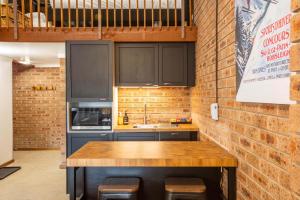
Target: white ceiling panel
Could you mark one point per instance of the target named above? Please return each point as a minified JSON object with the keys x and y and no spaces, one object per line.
{"x":40,"y":54}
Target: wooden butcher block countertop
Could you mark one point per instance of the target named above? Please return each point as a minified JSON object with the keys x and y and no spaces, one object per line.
{"x":151,"y":154}
{"x":181,"y":127}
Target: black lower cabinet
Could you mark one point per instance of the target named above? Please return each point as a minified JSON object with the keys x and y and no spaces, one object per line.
{"x":77,"y":140}
{"x":74,"y":142}
{"x":135,"y":136}
{"x":156,"y":136}
{"x":177,"y":136}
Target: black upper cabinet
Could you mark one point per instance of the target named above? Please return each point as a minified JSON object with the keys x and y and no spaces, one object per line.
{"x":89,"y":71}
{"x":136,"y":64}
{"x":149,"y":64}
{"x":191,"y":65}
{"x":173,"y":64}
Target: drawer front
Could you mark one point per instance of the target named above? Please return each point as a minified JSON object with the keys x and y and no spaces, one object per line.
{"x":77,"y":140}
{"x":135,"y":136}
{"x":175,"y":136}
{"x":77,"y":143}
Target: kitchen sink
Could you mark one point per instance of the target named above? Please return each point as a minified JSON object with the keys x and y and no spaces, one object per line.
{"x":154,"y":126}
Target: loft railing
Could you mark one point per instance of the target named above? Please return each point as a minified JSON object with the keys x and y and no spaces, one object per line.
{"x":102,"y":15}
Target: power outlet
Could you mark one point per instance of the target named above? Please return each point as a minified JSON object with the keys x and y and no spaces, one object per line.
{"x":214,"y":111}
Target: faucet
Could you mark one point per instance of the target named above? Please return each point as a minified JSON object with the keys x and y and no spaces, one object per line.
{"x":145,"y":113}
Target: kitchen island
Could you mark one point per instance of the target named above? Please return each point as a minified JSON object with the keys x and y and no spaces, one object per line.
{"x":152,"y":162}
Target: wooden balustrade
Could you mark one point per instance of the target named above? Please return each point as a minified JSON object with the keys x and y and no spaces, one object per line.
{"x":107,"y":16}
{"x":129,"y":14}
{"x":0,"y":16}
{"x":86,"y":14}
{"x":152,"y":14}
{"x":92,"y":15}
{"x":160,"y":19}
{"x":46,"y":14}
{"x":23,"y":11}
{"x":145,"y":15}
{"x":69,"y":14}
{"x":122,"y":15}
{"x":115,"y":15}
{"x":175,"y":14}
{"x":77,"y":16}
{"x":31,"y":15}
{"x":61,"y":15}
{"x":7,"y":15}
{"x":39,"y":13}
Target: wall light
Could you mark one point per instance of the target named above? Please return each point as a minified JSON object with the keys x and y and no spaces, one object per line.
{"x":25,"y":61}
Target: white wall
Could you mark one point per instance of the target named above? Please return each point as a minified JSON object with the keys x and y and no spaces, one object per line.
{"x":6,"y":122}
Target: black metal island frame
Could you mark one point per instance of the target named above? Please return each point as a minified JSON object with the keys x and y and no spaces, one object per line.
{"x":152,"y":162}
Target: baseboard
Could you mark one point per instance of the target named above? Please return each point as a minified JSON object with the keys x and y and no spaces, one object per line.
{"x":37,"y":149}
{"x":7,"y":163}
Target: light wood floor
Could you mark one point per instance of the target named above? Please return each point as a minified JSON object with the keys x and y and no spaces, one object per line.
{"x":39,"y":179}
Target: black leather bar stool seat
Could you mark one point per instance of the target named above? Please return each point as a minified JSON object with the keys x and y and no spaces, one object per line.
{"x":185,"y":188}
{"x":119,"y":188}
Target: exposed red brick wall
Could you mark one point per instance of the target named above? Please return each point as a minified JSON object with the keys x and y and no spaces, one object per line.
{"x":162,"y":104}
{"x":295,"y":95}
{"x":38,"y":116}
{"x":257,"y":134}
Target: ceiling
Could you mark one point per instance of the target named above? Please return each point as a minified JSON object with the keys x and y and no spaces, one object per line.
{"x":39,"y":54}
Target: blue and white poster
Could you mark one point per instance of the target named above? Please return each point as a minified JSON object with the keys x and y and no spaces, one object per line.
{"x":263,"y":51}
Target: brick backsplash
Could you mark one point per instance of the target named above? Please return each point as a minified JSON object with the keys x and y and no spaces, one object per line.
{"x":259,"y":135}
{"x":38,"y":115}
{"x":162,"y":103}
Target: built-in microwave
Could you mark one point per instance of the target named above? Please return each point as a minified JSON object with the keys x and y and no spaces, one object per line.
{"x":90,"y":116}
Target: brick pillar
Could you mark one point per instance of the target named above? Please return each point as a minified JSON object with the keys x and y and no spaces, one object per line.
{"x":295,"y":95}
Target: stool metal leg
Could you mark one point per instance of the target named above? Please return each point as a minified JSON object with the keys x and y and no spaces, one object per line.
{"x":72,"y":183}
{"x":231,"y":183}
{"x":168,"y":196}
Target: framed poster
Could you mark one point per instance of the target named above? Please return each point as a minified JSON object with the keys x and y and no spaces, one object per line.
{"x":262,"y":51}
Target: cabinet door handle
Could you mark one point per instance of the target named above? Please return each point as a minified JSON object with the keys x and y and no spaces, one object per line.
{"x":103,"y":134}
{"x":174,"y":133}
{"x":102,"y":99}
{"x":167,"y":83}
{"x":148,"y":84}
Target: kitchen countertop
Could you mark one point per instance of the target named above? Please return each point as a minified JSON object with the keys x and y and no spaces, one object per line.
{"x":151,"y":154}
{"x":180,"y":127}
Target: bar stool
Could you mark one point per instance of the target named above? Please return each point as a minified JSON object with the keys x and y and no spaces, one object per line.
{"x":185,"y":188}
{"x":119,"y":188}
